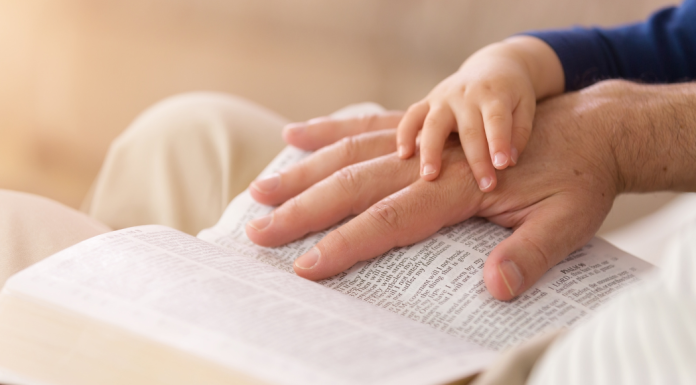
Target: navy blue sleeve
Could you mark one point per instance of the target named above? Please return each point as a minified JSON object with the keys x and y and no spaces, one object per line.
{"x":660,"y":50}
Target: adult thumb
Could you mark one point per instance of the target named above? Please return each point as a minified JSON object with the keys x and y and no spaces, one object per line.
{"x":550,"y":232}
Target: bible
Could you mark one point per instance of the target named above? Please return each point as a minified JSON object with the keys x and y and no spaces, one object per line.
{"x":152,"y":305}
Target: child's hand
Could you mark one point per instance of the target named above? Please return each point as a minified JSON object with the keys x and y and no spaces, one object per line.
{"x":490,"y":101}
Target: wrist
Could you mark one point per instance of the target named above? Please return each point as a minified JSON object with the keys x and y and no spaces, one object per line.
{"x":541,"y":62}
{"x":651,"y":131}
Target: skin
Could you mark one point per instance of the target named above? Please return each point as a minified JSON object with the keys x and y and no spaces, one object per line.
{"x":490,"y":101}
{"x":586,"y":148}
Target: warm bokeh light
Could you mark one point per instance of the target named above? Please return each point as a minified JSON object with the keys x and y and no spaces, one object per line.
{"x":74,"y":73}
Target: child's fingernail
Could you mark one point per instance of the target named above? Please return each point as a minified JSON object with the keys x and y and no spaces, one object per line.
{"x":514,"y":155}
{"x":499,"y":159}
{"x":485,"y":182}
{"x":429,"y":169}
{"x":402,"y":151}
{"x":511,"y":276}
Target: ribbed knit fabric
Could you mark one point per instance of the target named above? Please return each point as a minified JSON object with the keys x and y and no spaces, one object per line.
{"x":661,"y":49}
{"x":645,"y":336}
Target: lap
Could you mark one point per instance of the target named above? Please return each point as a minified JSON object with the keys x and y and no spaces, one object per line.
{"x":182,"y":161}
{"x":178,"y":164}
{"x":33,"y":227}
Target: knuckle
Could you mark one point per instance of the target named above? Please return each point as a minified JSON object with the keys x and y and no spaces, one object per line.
{"x":543,"y":260}
{"x":469,"y":134}
{"x":609,"y":86}
{"x":293,"y":208}
{"x":301,"y":173}
{"x":496,"y":119}
{"x":432,"y":121}
{"x":478,"y":89}
{"x":367,"y":121}
{"x":347,"y":181}
{"x":348,"y":149}
{"x":387,"y":214}
{"x":496,"y":104}
{"x":498,"y":138}
{"x":339,"y":239}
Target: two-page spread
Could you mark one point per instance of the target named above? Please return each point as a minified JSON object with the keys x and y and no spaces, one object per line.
{"x":416,"y":315}
{"x":439,"y":281}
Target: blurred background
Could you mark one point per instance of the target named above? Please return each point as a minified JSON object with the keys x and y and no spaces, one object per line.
{"x":74,"y":73}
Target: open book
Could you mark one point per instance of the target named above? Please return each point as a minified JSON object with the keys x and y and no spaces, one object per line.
{"x":151,"y":305}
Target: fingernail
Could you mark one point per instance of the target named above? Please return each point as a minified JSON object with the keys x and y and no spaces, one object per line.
{"x":511,"y":276}
{"x":309,"y":259}
{"x":513,"y":155}
{"x":499,"y":159}
{"x":316,"y":120}
{"x":295,"y":128}
{"x":402,"y":151}
{"x":485,"y":183}
{"x":429,"y":169}
{"x":267,"y":184}
{"x":261,"y":223}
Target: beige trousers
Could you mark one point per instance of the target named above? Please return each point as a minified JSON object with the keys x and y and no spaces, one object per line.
{"x":178,"y":164}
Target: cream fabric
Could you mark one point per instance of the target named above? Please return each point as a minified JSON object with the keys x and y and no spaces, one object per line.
{"x":514,"y":365}
{"x":178,"y":164}
{"x":182,"y":161}
{"x":645,"y":336}
{"x":649,"y":237}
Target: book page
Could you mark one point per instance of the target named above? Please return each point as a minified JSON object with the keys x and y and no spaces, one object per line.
{"x":246,"y":315}
{"x":439,"y":281}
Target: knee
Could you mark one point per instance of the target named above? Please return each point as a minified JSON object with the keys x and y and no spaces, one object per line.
{"x":174,"y":117}
{"x":192,"y":114}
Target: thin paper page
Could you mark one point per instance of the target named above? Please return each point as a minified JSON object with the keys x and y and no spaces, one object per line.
{"x":439,"y":281}
{"x":186,"y":293}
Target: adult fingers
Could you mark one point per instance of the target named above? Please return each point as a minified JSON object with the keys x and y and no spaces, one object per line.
{"x":281,"y":186}
{"x":436,"y":128}
{"x":522,"y":120}
{"x":473,"y":139}
{"x":348,"y":191}
{"x":408,"y":128}
{"x":405,"y":217}
{"x":319,"y":132}
{"x":552,"y":230}
{"x":497,"y":123}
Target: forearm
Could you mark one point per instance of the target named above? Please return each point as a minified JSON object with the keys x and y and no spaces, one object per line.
{"x":652,"y":135}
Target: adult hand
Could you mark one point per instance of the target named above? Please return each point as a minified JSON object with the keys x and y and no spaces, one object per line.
{"x":577,"y":160}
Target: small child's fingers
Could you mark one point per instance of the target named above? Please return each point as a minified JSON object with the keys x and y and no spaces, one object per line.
{"x":408,"y":128}
{"x":497,"y":122}
{"x":437,"y":127}
{"x":522,"y":120}
{"x":473,"y":138}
